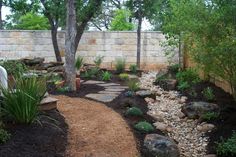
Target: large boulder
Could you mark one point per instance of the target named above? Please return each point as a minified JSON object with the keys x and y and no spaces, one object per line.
{"x":167,"y":84}
{"x":197,"y":109}
{"x":161,"y":146}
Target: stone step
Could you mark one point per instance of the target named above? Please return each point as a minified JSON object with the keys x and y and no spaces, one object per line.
{"x":48,"y":103}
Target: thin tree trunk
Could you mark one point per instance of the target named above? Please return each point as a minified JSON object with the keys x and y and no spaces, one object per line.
{"x":55,"y":43}
{"x":70,"y":46}
{"x":1,"y":22}
{"x":139,"y":37}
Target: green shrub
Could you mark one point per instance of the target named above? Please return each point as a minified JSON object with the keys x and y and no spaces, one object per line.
{"x":21,"y":103}
{"x":79,"y":62}
{"x":134,"y":111}
{"x":106,"y":76}
{"x":4,"y":136}
{"x":144,"y":127}
{"x":208,"y":93}
{"x":133,"y":85}
{"x":124,"y":76}
{"x":183,"y":86}
{"x":227,"y":147}
{"x":120,"y":65}
{"x":93,"y":72}
{"x":133,"y":68}
{"x":187,"y":78}
{"x":210,"y":116}
{"x":98,"y":61}
{"x":63,"y":89}
{"x":174,"y":68}
{"x":14,"y":67}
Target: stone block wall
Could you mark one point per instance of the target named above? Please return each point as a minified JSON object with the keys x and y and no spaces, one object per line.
{"x":111,"y":45}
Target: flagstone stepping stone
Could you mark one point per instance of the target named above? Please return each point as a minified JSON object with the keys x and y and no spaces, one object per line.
{"x":93,"y":82}
{"x":115,"y":89}
{"x":108,"y":92}
{"x":109,"y":84}
{"x":102,"y":97}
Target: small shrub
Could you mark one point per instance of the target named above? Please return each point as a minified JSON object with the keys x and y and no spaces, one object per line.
{"x":98,"y":61}
{"x":106,"y":76}
{"x":21,"y":103}
{"x":210,"y":116}
{"x":183,"y":86}
{"x":208,"y":93}
{"x":133,"y":68}
{"x":187,"y":79}
{"x":227,"y":147}
{"x":93,"y":72}
{"x":133,"y":85}
{"x":4,"y":136}
{"x":134,"y":111}
{"x":14,"y":67}
{"x":63,"y":89}
{"x":174,"y":68}
{"x":144,"y":127}
{"x":120,"y":65}
{"x":124,"y":77}
{"x":129,"y":94}
{"x":79,"y":62}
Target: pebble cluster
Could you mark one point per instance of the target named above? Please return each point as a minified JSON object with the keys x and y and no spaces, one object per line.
{"x":166,"y":110}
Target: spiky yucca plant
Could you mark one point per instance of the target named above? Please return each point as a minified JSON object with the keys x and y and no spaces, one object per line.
{"x":21,"y":102}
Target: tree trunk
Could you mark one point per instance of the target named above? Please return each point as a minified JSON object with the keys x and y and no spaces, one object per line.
{"x":1,"y":22}
{"x":70,"y":46}
{"x":139,"y":37}
{"x":55,"y":43}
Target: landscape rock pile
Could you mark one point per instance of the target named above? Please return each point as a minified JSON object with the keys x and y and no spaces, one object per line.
{"x":167,"y":111}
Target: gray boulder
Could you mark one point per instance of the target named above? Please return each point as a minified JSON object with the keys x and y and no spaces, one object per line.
{"x":197,"y":109}
{"x":168,"y":84}
{"x":161,"y":146}
{"x":144,"y":93}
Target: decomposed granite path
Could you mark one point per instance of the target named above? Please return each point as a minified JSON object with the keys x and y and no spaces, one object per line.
{"x":95,"y":130}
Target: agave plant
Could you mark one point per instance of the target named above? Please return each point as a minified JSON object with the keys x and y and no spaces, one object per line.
{"x":21,"y":103}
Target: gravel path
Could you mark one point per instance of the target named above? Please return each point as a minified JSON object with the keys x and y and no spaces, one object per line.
{"x":95,"y":130}
{"x":166,"y":109}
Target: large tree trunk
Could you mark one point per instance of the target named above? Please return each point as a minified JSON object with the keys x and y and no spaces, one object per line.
{"x":70,"y":46}
{"x":139,"y":37}
{"x":55,"y":43}
{"x":1,"y":22}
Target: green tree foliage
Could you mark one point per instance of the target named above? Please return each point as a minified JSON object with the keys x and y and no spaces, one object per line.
{"x":32,"y":21}
{"x":208,"y":29}
{"x":121,"y":21}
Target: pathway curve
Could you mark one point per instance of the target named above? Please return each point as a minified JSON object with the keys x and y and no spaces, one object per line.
{"x":95,"y":130}
{"x":111,"y":91}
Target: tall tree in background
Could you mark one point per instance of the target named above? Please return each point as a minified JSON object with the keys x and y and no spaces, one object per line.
{"x":55,"y":11}
{"x":1,"y":21}
{"x":79,"y":13}
{"x":141,"y":9}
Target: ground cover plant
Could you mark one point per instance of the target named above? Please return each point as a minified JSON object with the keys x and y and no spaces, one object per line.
{"x":134,"y":111}
{"x":144,"y":127}
{"x":227,"y":147}
{"x":14,"y":67}
{"x":124,"y":76}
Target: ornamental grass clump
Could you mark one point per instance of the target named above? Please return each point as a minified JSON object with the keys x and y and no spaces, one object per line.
{"x":120,"y":65}
{"x":106,"y":76}
{"x":21,"y":104}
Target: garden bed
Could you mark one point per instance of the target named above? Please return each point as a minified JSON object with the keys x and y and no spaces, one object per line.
{"x":47,"y":138}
